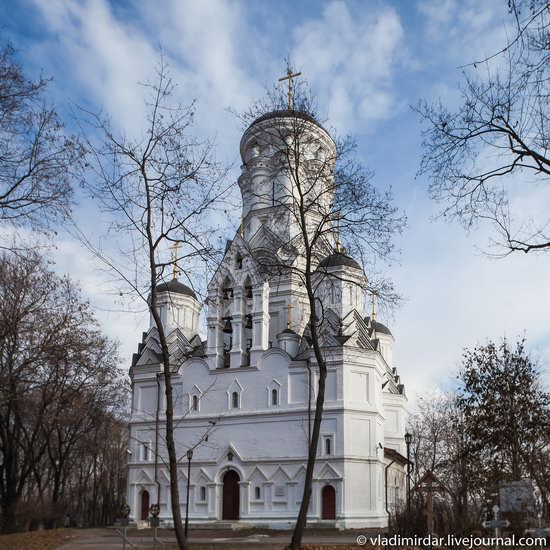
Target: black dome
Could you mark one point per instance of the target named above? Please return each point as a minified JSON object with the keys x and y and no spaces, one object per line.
{"x":337,"y":259}
{"x":176,"y":287}
{"x":286,"y":113}
{"x":382,"y":329}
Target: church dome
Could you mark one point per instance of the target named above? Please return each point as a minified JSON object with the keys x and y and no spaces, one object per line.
{"x":176,"y":287}
{"x":380,"y":328}
{"x":337,"y":259}
{"x":283,"y":113}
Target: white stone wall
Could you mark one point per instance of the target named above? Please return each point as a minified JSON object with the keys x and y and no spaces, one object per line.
{"x":268,"y":442}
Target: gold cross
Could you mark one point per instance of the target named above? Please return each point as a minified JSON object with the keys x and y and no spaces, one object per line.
{"x":288,"y":315}
{"x":289,"y":76}
{"x":174,"y":248}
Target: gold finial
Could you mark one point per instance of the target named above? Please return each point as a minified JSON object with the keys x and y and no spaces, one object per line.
{"x":174,"y":248}
{"x":289,"y":76}
{"x":338,"y":244}
{"x":373,"y":299}
{"x":288,"y":315}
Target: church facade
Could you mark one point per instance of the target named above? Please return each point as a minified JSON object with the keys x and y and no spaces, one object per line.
{"x":244,"y":399}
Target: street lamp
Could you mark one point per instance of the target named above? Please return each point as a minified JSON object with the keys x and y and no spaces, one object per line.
{"x":189,"y":458}
{"x":408,"y":441}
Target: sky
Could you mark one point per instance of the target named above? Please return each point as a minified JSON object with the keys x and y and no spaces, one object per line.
{"x":367,"y":62}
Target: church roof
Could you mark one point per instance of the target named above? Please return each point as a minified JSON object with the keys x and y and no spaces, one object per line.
{"x":337,"y":259}
{"x":287,"y":113}
{"x":177,"y":288}
{"x":179,"y":348}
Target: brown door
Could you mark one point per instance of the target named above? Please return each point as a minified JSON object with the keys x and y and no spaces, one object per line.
{"x":231,"y":495}
{"x":144,"y":504}
{"x":328,"y":497}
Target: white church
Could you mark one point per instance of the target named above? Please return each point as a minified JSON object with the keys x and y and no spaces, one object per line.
{"x":245,"y":397}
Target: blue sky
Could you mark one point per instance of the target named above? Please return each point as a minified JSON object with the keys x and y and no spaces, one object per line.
{"x":368,"y":62}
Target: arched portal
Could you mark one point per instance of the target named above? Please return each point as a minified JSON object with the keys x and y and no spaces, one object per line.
{"x":328,"y":502}
{"x":231,"y":498}
{"x":144,"y":504}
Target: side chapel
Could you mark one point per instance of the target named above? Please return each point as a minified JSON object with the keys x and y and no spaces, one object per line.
{"x":243,"y":395}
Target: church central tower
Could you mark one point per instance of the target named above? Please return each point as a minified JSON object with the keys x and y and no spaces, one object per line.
{"x":278,"y":150}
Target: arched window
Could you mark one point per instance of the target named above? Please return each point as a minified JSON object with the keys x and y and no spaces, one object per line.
{"x":257,"y":493}
{"x":328,"y":446}
{"x":195,"y":403}
{"x":203,"y":493}
{"x":235,"y":400}
{"x":274,"y":397}
{"x":145,"y":451}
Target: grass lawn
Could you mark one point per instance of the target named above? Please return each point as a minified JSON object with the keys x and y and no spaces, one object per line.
{"x":35,"y":540}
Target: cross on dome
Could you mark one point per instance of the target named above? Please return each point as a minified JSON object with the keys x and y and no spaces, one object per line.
{"x":289,"y":76}
{"x":174,"y":249}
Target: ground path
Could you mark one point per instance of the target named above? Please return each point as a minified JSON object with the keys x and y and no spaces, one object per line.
{"x":203,"y":539}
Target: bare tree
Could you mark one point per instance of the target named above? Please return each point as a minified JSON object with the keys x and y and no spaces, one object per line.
{"x":52,"y":357}
{"x":318,"y":196}
{"x":498,"y":139}
{"x":440,"y":444}
{"x":38,"y":161}
{"x":159,"y":189}
{"x":492,"y":428}
{"x":506,"y":414}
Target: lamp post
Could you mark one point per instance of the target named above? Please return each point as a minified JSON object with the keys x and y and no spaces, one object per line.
{"x":154,"y":512}
{"x":189,"y":458}
{"x":408,"y":441}
{"x":124,"y":521}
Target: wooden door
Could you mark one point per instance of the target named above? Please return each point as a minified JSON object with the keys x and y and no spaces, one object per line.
{"x":328,"y":504}
{"x":144,"y":504}
{"x":231,"y":500}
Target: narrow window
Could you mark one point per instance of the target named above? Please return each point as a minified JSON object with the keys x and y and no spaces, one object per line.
{"x":144,"y":451}
{"x":328,"y":445}
{"x":239,"y":262}
{"x":203,"y":493}
{"x":235,"y":400}
{"x":257,"y":493}
{"x":195,"y":403}
{"x":274,"y":397}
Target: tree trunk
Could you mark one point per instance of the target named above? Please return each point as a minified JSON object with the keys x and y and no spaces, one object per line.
{"x":301,"y":521}
{"x":299,"y":528}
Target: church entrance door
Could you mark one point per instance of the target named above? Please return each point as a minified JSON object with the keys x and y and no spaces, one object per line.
{"x":231,"y":498}
{"x":328,"y":505}
{"x":144,"y":504}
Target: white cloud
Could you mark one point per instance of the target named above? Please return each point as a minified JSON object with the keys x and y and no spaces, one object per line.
{"x":458,"y":297}
{"x":352,"y":53}
{"x":464,"y":31}
{"x":351,"y":58}
{"x":101,"y":58}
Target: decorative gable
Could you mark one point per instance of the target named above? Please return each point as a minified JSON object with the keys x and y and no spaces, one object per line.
{"x":328,"y":473}
{"x":143,"y":478}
